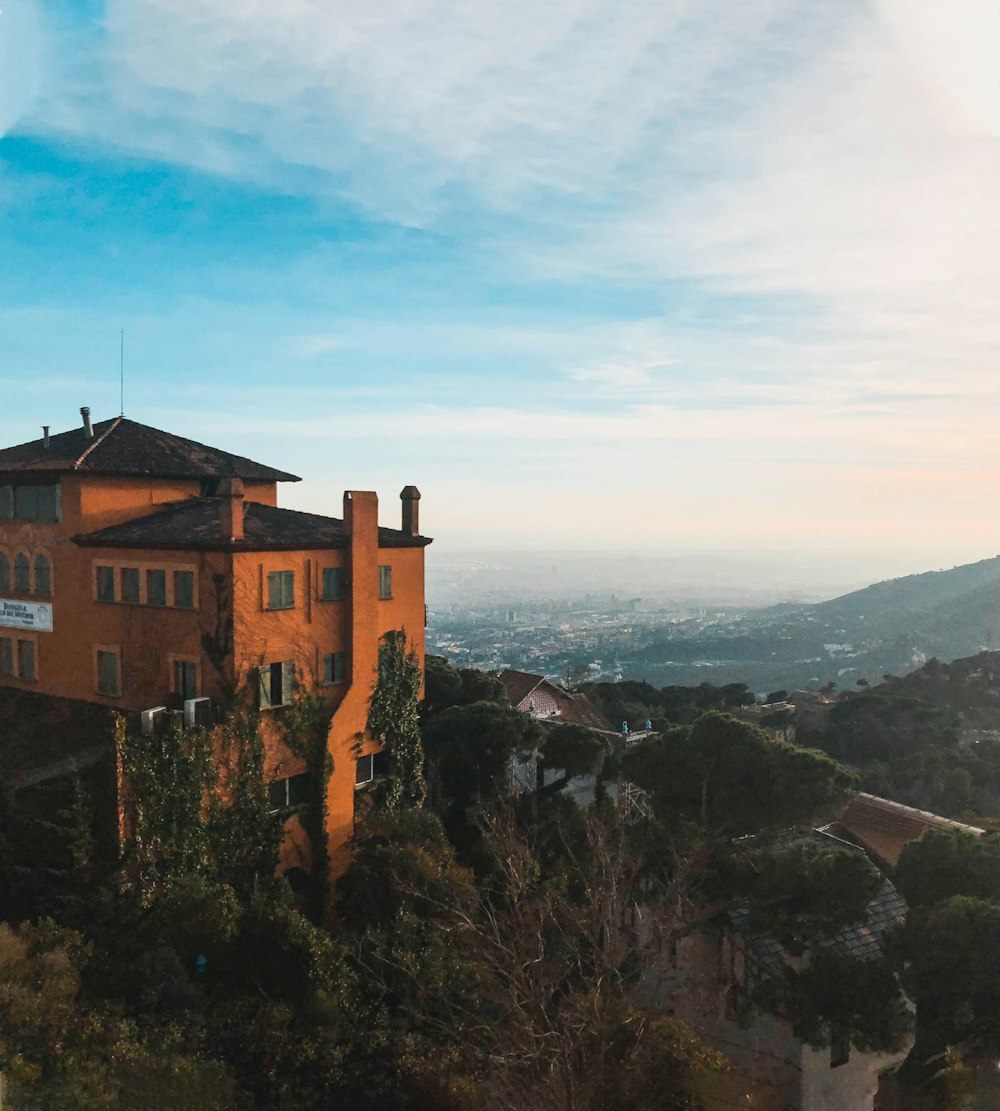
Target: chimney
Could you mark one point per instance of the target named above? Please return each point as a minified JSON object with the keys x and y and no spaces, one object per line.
{"x":231,"y":494}
{"x":410,"y":497}
{"x":45,"y":436}
{"x":88,"y":428}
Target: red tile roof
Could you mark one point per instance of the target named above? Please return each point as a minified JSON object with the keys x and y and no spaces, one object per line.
{"x":574,"y":708}
{"x":886,"y":827}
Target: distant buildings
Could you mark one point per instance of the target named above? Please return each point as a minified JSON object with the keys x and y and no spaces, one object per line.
{"x":149,"y":573}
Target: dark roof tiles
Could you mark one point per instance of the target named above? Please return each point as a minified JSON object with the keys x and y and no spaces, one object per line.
{"x":126,"y":447}
{"x":197,"y":523}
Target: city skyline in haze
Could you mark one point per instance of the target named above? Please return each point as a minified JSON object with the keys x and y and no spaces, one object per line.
{"x":668,"y":277}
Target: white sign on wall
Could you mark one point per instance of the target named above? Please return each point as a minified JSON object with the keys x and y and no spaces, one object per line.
{"x":36,"y":616}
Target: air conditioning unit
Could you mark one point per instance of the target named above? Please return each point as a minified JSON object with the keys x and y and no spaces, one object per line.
{"x":147,"y":719}
{"x":197,"y":711}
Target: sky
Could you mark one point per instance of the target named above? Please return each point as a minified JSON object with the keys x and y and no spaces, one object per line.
{"x":667,"y":276}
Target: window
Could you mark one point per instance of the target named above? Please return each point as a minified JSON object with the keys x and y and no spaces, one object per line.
{"x":280,"y":590}
{"x":107,"y":673}
{"x":385,"y":582}
{"x":334,"y":668}
{"x":17,"y":658}
{"x":47,"y":503}
{"x":368,"y":768}
{"x":276,"y":684}
{"x":26,"y":503}
{"x":105,"y":584}
{"x":43,"y":576}
{"x":287,"y":794}
{"x":22,"y":574}
{"x":4,"y":572}
{"x":130,"y":585}
{"x":26,"y":659}
{"x":334,"y":584}
{"x":29,"y":503}
{"x":185,"y":679}
{"x":184,"y":589}
{"x":840,"y":1045}
{"x":125,"y":584}
{"x":156,"y":588}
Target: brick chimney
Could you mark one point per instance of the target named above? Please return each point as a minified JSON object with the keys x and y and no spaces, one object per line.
{"x":231,"y":494}
{"x":410,"y":497}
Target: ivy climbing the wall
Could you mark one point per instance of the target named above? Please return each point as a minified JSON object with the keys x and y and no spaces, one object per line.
{"x":306,"y":730}
{"x":197,"y":805}
{"x":393,"y":720}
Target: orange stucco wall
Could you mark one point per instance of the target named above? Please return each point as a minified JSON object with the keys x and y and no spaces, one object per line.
{"x":149,"y":639}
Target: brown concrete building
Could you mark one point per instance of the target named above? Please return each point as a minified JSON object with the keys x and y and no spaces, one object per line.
{"x":139,"y":570}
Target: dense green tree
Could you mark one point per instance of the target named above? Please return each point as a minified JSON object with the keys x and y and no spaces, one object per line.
{"x":573,"y":750}
{"x":446,"y":686}
{"x":470,"y":748}
{"x":731,"y":779}
{"x":954,"y":972}
{"x":802,"y":891}
{"x":56,"y":1051}
{"x":947,"y":862}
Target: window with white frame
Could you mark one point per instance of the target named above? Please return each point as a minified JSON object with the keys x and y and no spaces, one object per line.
{"x":289,"y":793}
{"x":371,"y":767}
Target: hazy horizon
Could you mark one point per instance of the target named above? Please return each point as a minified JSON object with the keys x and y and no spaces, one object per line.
{"x":765,"y":576}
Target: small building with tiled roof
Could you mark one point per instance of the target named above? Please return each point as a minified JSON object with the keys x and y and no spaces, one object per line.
{"x":547,"y":701}
{"x":143,"y":571}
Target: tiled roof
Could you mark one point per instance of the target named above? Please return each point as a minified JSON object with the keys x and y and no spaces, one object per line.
{"x":574,"y":709}
{"x":126,"y":447}
{"x":864,"y":940}
{"x":519,"y":684}
{"x":886,"y":827}
{"x":197,"y":523}
{"x":580,"y":711}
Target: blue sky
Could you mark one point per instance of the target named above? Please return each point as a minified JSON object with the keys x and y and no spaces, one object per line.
{"x":667,"y":276}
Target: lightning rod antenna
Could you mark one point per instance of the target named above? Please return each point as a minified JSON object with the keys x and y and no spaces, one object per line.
{"x":122,"y":372}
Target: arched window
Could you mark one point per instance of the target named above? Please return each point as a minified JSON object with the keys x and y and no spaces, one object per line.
{"x":4,"y":572}
{"x":43,"y":576}
{"x":22,"y":574}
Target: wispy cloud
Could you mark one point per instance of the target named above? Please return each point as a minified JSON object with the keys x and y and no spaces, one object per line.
{"x":707,"y":234}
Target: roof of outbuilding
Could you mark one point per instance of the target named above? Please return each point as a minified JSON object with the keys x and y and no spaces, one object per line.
{"x":519,"y":684}
{"x":886,"y":827}
{"x":126,"y":447}
{"x":575,"y":709}
{"x":197,"y":523}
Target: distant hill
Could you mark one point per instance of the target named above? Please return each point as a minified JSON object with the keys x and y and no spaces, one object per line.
{"x":912,"y":593}
{"x":889,"y":627}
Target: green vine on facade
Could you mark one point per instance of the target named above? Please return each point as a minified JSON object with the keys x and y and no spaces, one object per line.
{"x":196,"y":804}
{"x":307,"y":728}
{"x":393,"y":720}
